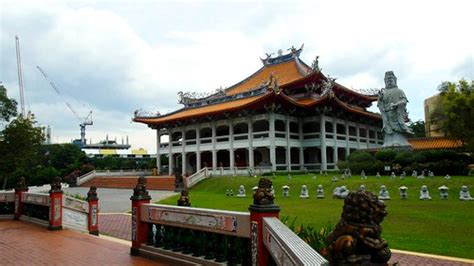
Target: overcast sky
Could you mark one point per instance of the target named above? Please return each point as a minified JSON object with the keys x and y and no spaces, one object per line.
{"x":113,"y":57}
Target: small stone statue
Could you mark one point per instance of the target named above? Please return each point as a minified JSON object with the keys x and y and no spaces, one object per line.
{"x":447,"y":177}
{"x":430,"y":174}
{"x":347,"y":173}
{"x":403,"y":175}
{"x":231,"y":192}
{"x":56,"y":185}
{"x":254,"y":189}
{"x":356,"y":239}
{"x":414,"y":173}
{"x":286,"y":191}
{"x":443,"y":192}
{"x":289,"y":176}
{"x":340,"y":192}
{"x":424,"y":193}
{"x":393,"y":175}
{"x":273,"y":175}
{"x":314,"y":177}
{"x":362,"y":187}
{"x":140,"y":192}
{"x":334,"y":179}
{"x":241,"y":193}
{"x":184,"y":198}
{"x":377,"y":175}
{"x":362,"y":175}
{"x":464,"y":194}
{"x":383,"y":193}
{"x":227,"y":192}
{"x":392,"y":104}
{"x":343,"y":177}
{"x":320,"y":192}
{"x":304,"y":194}
{"x":422,"y":176}
{"x":403,"y":192}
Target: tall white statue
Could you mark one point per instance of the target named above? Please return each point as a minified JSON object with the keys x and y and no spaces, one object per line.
{"x":392,"y":103}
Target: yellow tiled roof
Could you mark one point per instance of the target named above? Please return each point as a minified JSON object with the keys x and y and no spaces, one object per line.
{"x":285,"y":72}
{"x":434,"y":143}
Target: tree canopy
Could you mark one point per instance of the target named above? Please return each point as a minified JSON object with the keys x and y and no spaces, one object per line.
{"x":455,"y":111}
{"x":7,"y":106}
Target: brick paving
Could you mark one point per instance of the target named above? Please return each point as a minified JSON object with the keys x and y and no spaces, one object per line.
{"x":119,"y":226}
{"x":22,"y":243}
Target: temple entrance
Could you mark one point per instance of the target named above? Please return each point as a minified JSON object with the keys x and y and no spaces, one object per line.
{"x":241,"y":158}
{"x":223,"y":158}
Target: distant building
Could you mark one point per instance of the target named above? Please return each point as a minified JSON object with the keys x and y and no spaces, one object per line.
{"x":432,"y":127}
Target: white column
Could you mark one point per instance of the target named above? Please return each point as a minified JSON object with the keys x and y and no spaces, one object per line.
{"x":158,"y":143}
{"x":214,"y":152}
{"x":358,"y":136}
{"x":198,"y":147}
{"x":231,"y":144}
{"x":288,"y":143}
{"x":170,"y":153}
{"x":250,"y":137}
{"x":348,"y":149}
{"x":368,"y":136}
{"x":322,"y":126}
{"x":271,"y":120}
{"x":183,"y":153}
{"x":300,"y":133}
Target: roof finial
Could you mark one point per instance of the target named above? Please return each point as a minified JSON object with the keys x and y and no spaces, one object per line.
{"x":315,"y":65}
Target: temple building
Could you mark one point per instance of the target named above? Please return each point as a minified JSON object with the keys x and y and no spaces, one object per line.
{"x":285,"y":116}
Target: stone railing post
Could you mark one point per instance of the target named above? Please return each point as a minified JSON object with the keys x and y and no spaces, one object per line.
{"x":93,"y":200}
{"x":262,"y":206}
{"x":19,"y":189}
{"x":139,"y":229}
{"x":55,"y":205}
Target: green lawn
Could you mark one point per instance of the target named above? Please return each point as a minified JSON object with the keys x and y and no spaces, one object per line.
{"x":443,"y":227}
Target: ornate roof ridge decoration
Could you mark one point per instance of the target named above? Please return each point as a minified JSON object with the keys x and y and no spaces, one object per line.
{"x":294,"y":53}
{"x":142,"y":113}
{"x":192,"y":97}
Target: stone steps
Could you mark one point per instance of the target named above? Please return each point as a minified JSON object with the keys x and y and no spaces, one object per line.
{"x":153,"y":182}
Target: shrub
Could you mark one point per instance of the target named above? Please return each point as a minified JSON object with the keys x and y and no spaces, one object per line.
{"x":386,"y":155}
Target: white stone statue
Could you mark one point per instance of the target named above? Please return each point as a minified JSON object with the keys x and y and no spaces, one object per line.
{"x":392,"y":104}
{"x":362,"y":175}
{"x":314,"y":177}
{"x":320,"y":192}
{"x":377,"y":175}
{"x":289,"y":176}
{"x":443,"y":192}
{"x":424,"y":193}
{"x":362,"y":188}
{"x":347,"y":173}
{"x":403,"y":192}
{"x":334,"y":179}
{"x":464,"y":194}
{"x":286,"y":191}
{"x":273,"y":176}
{"x":304,"y":194}
{"x":414,"y":173}
{"x":340,"y":192}
{"x":430,"y":174}
{"x":393,"y":175}
{"x":402,"y":175}
{"x":447,"y":177}
{"x":241,"y":193}
{"x":421,"y":177}
{"x":254,"y":189}
{"x":383,"y":193}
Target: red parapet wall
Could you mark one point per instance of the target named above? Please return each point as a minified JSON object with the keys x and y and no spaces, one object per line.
{"x":153,"y":183}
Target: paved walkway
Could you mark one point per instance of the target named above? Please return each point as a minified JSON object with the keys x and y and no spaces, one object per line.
{"x":119,"y":226}
{"x":22,"y":243}
{"x":117,"y":200}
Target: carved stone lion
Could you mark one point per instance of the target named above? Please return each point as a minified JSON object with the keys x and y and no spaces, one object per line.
{"x":263,"y":195}
{"x":356,"y":238}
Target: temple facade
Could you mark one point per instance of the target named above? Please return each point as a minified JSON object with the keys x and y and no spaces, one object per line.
{"x":286,"y":116}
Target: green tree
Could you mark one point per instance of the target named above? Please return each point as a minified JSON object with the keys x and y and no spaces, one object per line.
{"x":7,"y":106}
{"x":455,"y":111}
{"x":19,"y":148}
{"x":418,"y":129}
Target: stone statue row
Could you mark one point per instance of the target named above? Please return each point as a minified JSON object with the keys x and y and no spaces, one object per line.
{"x":341,"y":192}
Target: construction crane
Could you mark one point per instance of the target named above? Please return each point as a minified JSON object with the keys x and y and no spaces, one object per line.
{"x":20,"y":76}
{"x":83,"y":121}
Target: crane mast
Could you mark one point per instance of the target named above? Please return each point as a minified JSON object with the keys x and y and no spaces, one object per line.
{"x":84,"y":122}
{"x":20,"y":76}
